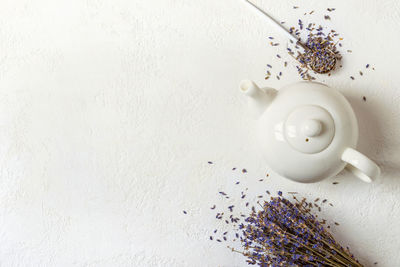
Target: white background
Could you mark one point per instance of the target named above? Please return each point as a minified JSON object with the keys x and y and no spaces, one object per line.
{"x":110,"y":110}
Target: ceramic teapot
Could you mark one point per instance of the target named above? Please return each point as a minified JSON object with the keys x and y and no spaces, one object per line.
{"x":308,"y":131}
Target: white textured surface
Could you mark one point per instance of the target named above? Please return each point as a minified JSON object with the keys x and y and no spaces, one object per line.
{"x":110,"y":110}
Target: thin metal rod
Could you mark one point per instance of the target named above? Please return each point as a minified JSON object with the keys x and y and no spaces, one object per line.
{"x":276,"y":24}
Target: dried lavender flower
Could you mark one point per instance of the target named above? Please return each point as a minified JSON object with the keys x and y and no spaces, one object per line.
{"x":282,"y":233}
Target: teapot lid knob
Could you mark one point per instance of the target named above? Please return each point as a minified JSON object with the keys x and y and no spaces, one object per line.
{"x":311,"y":127}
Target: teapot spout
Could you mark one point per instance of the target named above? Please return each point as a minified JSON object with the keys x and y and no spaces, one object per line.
{"x":258,"y":99}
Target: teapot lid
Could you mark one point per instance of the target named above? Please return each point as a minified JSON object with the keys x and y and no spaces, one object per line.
{"x":309,"y":129}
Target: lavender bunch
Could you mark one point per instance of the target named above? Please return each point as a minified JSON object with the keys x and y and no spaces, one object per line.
{"x":283,"y":233}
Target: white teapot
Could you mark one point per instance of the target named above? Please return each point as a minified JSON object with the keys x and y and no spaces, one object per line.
{"x":308,"y":131}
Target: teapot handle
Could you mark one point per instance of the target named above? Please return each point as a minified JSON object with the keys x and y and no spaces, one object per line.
{"x":361,"y":166}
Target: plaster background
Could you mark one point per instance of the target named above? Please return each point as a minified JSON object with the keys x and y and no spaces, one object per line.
{"x":110,"y":110}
